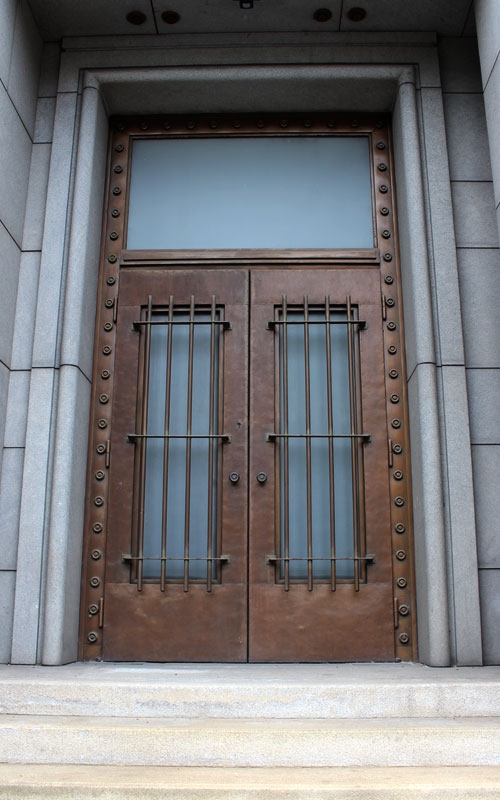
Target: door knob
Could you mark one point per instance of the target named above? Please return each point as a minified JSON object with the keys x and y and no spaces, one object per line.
{"x":261,"y":477}
{"x":234,"y":477}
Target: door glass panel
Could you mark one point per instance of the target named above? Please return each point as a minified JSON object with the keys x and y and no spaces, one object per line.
{"x":181,"y":469}
{"x":276,"y":192}
{"x":319,"y":451}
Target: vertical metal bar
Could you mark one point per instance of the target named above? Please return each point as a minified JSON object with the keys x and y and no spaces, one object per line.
{"x":354,"y":442}
{"x":286,"y":454}
{"x":210,"y":533}
{"x":189,"y":419}
{"x":307,"y":375}
{"x":143,"y":443}
{"x":166,"y":444}
{"x":331,"y":459}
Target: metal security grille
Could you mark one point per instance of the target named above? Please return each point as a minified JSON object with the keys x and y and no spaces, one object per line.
{"x":178,"y":444}
{"x":320,"y":444}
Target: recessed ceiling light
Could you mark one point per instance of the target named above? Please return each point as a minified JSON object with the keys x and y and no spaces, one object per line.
{"x":136,"y":18}
{"x":356,"y":14}
{"x":170,"y":17}
{"x":322,"y":14}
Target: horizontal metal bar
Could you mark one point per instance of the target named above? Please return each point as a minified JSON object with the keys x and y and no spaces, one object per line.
{"x":271,"y":437}
{"x":129,"y":557}
{"x":370,"y":557}
{"x":224,"y":437}
{"x":271,"y":325}
{"x":226,"y":325}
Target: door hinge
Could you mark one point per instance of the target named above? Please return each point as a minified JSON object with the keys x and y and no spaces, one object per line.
{"x":396,"y":613}
{"x":384,"y":307}
{"x":101,"y":612}
{"x":107,"y":458}
{"x":389,"y":452}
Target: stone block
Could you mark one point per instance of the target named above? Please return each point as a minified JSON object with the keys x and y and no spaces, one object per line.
{"x":486,"y":463}
{"x":7,"y":584}
{"x":460,"y":67}
{"x":44,"y":125}
{"x":467,"y":137}
{"x":10,"y":258}
{"x":17,"y":409}
{"x":492,"y":106}
{"x":22,"y":342}
{"x":489,"y":581}
{"x":25,"y":65}
{"x":4,"y":389}
{"x":484,"y":390}
{"x":15,"y":156}
{"x":488,"y":25}
{"x":474,"y":214}
{"x":479,"y":276}
{"x":7,"y":22}
{"x":10,"y":504}
{"x":37,"y":195}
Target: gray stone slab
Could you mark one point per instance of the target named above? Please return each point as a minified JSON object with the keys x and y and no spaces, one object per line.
{"x":460,"y":67}
{"x":49,"y":69}
{"x":10,"y":258}
{"x":32,"y":518}
{"x":62,"y":603}
{"x":474,"y":214}
{"x":489,"y":581}
{"x":465,"y":588}
{"x":7,"y":584}
{"x":15,"y":155}
{"x":10,"y":504}
{"x":486,"y":463}
{"x":467,"y":137}
{"x":492,"y":105}
{"x":487,"y":14}
{"x":484,"y":390}
{"x":57,"y":18}
{"x":7,"y":21}
{"x":25,"y":65}
{"x":24,"y":325}
{"x":37,"y":196}
{"x":4,"y":388}
{"x":44,"y":125}
{"x":479,"y":275}
{"x":17,"y":409}
{"x":446,"y":17}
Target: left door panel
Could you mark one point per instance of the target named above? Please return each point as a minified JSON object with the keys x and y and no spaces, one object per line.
{"x":176,"y":557}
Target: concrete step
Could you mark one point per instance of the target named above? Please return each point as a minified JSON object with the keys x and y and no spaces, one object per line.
{"x":59,"y":782}
{"x":228,"y":691}
{"x":250,"y":742}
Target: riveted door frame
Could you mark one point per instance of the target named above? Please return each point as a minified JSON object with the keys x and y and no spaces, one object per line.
{"x":114,"y":258}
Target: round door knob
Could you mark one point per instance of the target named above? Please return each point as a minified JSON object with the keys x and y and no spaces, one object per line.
{"x":261,"y":477}
{"x":234,"y":477}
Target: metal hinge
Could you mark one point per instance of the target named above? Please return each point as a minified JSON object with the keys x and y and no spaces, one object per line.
{"x":396,"y":613}
{"x":384,"y":307}
{"x":389,"y":452}
{"x":101,"y":612}
{"x":107,"y":458}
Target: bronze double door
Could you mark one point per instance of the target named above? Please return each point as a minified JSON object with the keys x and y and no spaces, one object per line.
{"x":249,"y":507}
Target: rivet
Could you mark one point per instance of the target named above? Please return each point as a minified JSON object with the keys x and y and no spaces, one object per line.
{"x":213,"y":124}
{"x":393,"y":373}
{"x":260,"y":123}
{"x":236,"y":123}
{"x":404,"y":610}
{"x":144,"y":126}
{"x":115,"y":213}
{"x":399,"y":501}
{"x":105,"y":374}
{"x":109,"y":302}
{"x":93,"y":609}
{"x":120,"y":126}
{"x":392,"y":349}
{"x":118,"y":169}
{"x":391,"y":326}
{"x":354,"y":123}
{"x":117,"y":190}
{"x":112,"y":259}
{"x":400,"y":528}
{"x":404,"y":638}
{"x":330,"y":123}
{"x":100,"y":475}
{"x":397,"y":449}
{"x":389,"y":279}
{"x":307,"y":123}
{"x":396,"y":423}
{"x":402,"y":583}
{"x":101,"y":449}
{"x":108,"y":326}
{"x":104,"y":398}
{"x":379,"y":123}
{"x":380,"y":145}
{"x":96,"y":555}
{"x":102,"y":424}
{"x":111,"y":280}
{"x":382,"y":167}
{"x":97,"y":527}
{"x":95,"y":582}
{"x":106,"y":350}
{"x":283,"y":123}
{"x":383,"y":188}
{"x":387,"y":257}
{"x":386,"y":234}
{"x":119,"y":148}
{"x":394,"y":398}
{"x":92,"y":637}
{"x":398,"y":475}
{"x":191,"y":124}
{"x":99,"y":501}
{"x":390,"y":302}
{"x":401,"y":555}
{"x":114,"y":236}
{"x":167,"y":125}
{"x":384,"y":211}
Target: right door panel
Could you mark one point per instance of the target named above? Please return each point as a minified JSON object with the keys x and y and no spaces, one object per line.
{"x":320,"y":543}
